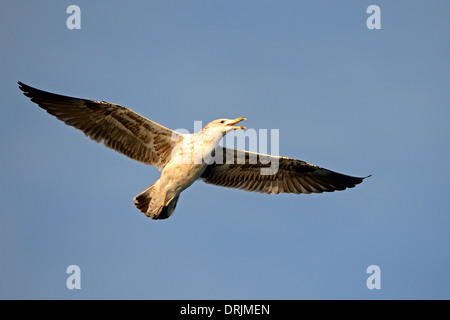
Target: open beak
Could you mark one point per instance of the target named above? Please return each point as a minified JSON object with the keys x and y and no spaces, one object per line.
{"x":235,"y":121}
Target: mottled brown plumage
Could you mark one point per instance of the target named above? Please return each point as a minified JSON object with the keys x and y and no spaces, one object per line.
{"x":117,"y":127}
{"x":292,"y":176}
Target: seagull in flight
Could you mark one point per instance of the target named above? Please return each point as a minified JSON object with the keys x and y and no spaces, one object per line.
{"x":186,"y":158}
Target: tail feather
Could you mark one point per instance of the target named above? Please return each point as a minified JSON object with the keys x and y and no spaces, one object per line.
{"x":152,"y":205}
{"x":142,"y":200}
{"x":168,"y":210}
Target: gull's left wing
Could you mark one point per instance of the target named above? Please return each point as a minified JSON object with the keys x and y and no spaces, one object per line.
{"x":241,"y":169}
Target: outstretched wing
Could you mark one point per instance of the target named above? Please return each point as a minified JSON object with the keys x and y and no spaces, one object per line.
{"x":250,"y":171}
{"x":117,"y":127}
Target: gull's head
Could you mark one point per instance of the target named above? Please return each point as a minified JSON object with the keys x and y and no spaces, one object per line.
{"x":225,"y":125}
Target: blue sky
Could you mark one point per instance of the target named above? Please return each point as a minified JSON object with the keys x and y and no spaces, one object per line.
{"x":344,"y":97}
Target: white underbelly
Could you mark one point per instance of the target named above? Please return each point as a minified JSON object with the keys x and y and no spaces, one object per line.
{"x":178,"y":176}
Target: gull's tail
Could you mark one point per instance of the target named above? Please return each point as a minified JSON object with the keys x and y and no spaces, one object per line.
{"x":151,"y":202}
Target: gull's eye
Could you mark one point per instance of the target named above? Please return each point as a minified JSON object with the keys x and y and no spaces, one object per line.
{"x":223,"y":121}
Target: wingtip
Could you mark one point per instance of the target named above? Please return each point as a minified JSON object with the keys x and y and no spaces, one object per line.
{"x":22,"y":86}
{"x":27,"y":90}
